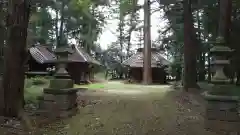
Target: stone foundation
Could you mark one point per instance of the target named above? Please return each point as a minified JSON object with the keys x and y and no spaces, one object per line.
{"x":59,"y":103}
{"x":222,"y":114}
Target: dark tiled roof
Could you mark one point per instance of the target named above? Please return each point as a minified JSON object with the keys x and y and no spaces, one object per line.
{"x":41,"y":54}
{"x":79,"y":55}
{"x":137,"y":60}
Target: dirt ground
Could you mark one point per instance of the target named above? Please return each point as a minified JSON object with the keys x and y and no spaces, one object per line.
{"x":135,"y":110}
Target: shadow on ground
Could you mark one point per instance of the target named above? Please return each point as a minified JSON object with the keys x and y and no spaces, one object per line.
{"x":156,"y":111}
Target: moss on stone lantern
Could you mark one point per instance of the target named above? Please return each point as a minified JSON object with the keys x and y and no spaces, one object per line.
{"x":220,"y":54}
{"x":62,"y":60}
{"x":222,"y":104}
{"x":61,"y":96}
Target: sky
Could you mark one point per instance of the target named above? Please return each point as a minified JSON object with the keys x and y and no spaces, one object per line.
{"x":108,"y":35}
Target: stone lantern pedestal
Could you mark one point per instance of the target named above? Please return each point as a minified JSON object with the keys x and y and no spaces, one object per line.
{"x":59,"y":100}
{"x":222,"y":106}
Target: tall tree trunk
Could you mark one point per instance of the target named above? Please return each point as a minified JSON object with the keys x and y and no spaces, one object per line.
{"x":147,"y":70}
{"x":13,"y":78}
{"x":225,"y":19}
{"x":201,"y":54}
{"x":141,"y":41}
{"x":209,"y":67}
{"x":201,"y":67}
{"x":228,"y":12}
{"x":190,"y":73}
{"x":2,"y":38}
{"x":224,"y":27}
{"x":121,"y":40}
{"x":56,"y":27}
{"x":60,"y":36}
{"x":129,"y":44}
{"x":2,"y":31}
{"x":132,"y":27}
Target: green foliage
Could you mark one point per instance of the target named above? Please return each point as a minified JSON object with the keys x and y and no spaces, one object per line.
{"x":56,"y":22}
{"x":34,"y":88}
{"x":95,"y":86}
{"x":127,"y":6}
{"x":36,"y":81}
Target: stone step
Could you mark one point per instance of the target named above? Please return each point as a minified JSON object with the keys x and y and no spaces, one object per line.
{"x":53,"y":106}
{"x":58,"y":114}
{"x":59,"y":91}
{"x":60,"y":98}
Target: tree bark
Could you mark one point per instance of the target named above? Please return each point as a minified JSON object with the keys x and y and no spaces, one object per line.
{"x":132,"y":18}
{"x":209,"y":67}
{"x":2,"y":38}
{"x":121,"y":40}
{"x":60,"y":36}
{"x":224,"y":19}
{"x":129,"y":44}
{"x":190,"y":72}
{"x":56,"y":27}
{"x":228,"y":12}
{"x":147,"y":70}
{"x":13,"y":78}
{"x":201,"y":54}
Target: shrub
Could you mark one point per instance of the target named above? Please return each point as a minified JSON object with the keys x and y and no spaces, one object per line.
{"x":28,"y":83}
{"x":36,"y":81}
{"x":39,"y":81}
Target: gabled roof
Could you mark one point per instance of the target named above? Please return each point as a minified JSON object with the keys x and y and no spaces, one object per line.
{"x":136,"y":60}
{"x":42,"y":54}
{"x":79,"y":55}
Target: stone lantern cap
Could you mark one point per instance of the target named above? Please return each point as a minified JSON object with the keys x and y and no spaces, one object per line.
{"x":63,"y":53}
{"x":220,"y":62}
{"x":220,"y":49}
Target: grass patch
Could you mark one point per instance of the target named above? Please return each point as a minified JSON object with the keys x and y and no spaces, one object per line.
{"x":154,"y":114}
{"x":117,"y":85}
{"x":34,"y":88}
{"x":120,"y":115}
{"x":95,"y":86}
{"x":31,"y":93}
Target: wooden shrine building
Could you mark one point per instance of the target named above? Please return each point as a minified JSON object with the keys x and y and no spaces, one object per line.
{"x":39,"y":58}
{"x":158,"y":64}
{"x":80,"y":66}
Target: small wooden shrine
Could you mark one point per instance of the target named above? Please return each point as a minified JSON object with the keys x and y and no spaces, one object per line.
{"x":158,"y":64}
{"x":80,"y":65}
{"x":39,"y":59}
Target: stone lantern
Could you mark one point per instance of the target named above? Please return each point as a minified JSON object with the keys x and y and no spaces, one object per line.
{"x":61,"y":96}
{"x":62,"y":60}
{"x":220,"y":54}
{"x":222,"y":106}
